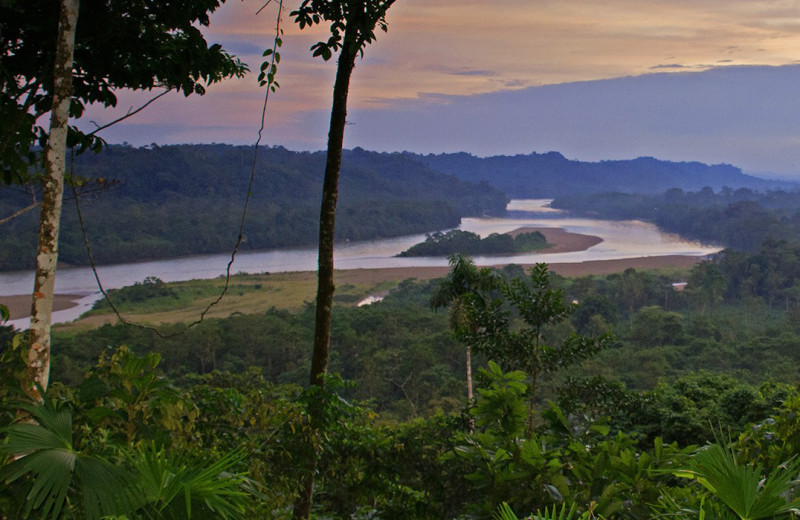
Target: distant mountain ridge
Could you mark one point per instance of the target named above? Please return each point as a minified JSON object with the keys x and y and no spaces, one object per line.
{"x":551,"y":174}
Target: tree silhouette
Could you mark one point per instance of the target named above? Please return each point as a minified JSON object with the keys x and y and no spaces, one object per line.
{"x":463,"y":285}
{"x":511,"y":331}
{"x":352,"y":28}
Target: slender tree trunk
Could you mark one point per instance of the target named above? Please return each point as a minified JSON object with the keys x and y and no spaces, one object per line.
{"x":52,"y":195}
{"x":327,"y":217}
{"x":327,"y":221}
{"x":470,"y":396}
{"x":532,"y":403}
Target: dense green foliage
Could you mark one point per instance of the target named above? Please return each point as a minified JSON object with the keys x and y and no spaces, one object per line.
{"x":615,"y":435}
{"x":740,"y":219}
{"x":125,"y":412}
{"x":110,"y":45}
{"x":457,"y":241}
{"x":180,"y":200}
{"x":401,"y":356}
{"x":513,"y":330}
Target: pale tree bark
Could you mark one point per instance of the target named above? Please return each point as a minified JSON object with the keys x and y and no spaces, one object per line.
{"x":52,"y":196}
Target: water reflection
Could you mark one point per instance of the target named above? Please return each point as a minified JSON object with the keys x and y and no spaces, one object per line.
{"x":621,"y":239}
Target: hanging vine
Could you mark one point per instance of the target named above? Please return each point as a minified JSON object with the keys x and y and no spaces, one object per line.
{"x":266,"y":78}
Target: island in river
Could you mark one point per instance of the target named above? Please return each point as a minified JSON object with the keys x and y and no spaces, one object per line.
{"x":465,"y":242}
{"x":562,"y":242}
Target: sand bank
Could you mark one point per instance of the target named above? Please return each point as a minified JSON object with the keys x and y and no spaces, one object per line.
{"x":563,"y":242}
{"x":20,"y":305}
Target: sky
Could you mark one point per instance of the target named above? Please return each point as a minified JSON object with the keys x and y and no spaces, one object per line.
{"x":683,"y":80}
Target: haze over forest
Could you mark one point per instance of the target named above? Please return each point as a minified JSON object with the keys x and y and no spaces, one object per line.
{"x":708,"y":83}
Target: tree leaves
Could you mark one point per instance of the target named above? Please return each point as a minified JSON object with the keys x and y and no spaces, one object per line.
{"x":119,"y":44}
{"x":742,"y":487}
{"x":351,"y":23}
{"x":55,"y":466}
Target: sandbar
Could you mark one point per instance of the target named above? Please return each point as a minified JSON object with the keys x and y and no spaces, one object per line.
{"x":563,"y":242}
{"x":19,"y":305}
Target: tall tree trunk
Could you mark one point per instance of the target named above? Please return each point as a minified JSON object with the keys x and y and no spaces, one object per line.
{"x":327,"y":221}
{"x":52,"y":195}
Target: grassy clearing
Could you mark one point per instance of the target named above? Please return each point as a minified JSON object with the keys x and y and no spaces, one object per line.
{"x":183,"y":302}
{"x":253,"y":294}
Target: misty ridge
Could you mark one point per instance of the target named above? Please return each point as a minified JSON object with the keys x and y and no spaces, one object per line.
{"x":549,"y":175}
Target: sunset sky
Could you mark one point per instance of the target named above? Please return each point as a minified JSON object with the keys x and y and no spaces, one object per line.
{"x":682,"y":80}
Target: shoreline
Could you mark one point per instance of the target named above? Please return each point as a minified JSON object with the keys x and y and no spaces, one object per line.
{"x":563,"y":242}
{"x":588,"y":267}
{"x":19,"y":305}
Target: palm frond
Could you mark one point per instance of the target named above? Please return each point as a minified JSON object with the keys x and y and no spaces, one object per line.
{"x":50,"y":472}
{"x":46,"y":457}
{"x":181,"y":486}
{"x":555,"y":514}
{"x":743,"y":488}
{"x":504,"y":512}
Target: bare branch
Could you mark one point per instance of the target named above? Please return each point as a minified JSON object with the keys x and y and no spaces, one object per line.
{"x":402,"y":388}
{"x":130,"y":113}
{"x":18,"y":213}
{"x":264,"y":6}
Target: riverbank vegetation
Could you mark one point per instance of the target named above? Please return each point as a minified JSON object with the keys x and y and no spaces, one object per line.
{"x":739,"y":219}
{"x":458,"y":241}
{"x":615,"y":434}
{"x":719,"y":355}
{"x":725,"y":308}
{"x":170,"y":201}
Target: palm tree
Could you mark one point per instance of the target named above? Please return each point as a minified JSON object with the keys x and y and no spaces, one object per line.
{"x":745,"y":490}
{"x":54,"y":476}
{"x":464,"y":285}
{"x":44,"y":456}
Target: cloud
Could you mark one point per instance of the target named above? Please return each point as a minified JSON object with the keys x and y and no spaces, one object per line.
{"x":515,"y":83}
{"x":669,"y":66}
{"x":741,"y":115}
{"x":443,"y":57}
{"x":484,"y":73}
{"x":471,"y":47}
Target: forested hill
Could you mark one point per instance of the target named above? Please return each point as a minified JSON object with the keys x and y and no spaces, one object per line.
{"x":187,"y":199}
{"x":552,"y":175}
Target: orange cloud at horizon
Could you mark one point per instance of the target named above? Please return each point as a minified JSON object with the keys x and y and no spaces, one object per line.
{"x":466,"y":47}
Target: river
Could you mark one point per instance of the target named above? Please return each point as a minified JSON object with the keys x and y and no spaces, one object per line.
{"x":621,"y":239}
